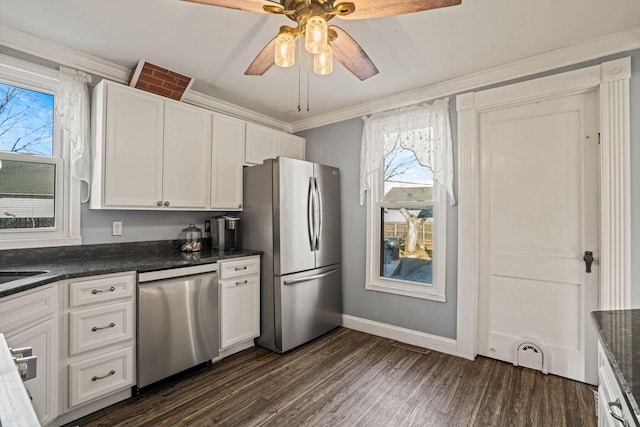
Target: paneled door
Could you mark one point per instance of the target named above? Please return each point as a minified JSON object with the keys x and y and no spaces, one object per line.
{"x":538,"y":217}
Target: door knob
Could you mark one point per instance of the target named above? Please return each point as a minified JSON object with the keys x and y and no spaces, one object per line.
{"x":588,"y":260}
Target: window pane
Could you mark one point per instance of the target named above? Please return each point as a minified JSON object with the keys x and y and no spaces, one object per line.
{"x":407,"y":244}
{"x":26,"y":195}
{"x":26,"y":121}
{"x":406,"y":180}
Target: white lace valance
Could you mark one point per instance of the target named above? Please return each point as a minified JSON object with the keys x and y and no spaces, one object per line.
{"x":72,"y":109}
{"x":424,"y":129}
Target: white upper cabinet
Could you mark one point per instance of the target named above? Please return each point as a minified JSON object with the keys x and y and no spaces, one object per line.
{"x":291,"y":146}
{"x":261,"y":144}
{"x":227,"y":160}
{"x":150,"y":152}
{"x":265,"y":143}
{"x":187,"y":150}
{"x":131,"y":145}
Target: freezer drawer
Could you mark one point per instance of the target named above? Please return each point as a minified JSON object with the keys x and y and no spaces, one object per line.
{"x":307,"y":305}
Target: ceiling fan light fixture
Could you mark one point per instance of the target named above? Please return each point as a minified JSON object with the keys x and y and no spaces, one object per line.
{"x":323,"y":62}
{"x":316,"y":34}
{"x":285,"y":50}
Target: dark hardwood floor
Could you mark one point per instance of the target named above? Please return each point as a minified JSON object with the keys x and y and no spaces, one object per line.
{"x":349,"y":378}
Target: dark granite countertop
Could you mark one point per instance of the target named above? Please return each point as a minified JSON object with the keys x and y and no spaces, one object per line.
{"x":78,"y":261}
{"x":619,"y":332}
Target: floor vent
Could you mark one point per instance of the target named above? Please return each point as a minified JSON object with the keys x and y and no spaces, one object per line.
{"x":410,"y":347}
{"x":530,"y":355}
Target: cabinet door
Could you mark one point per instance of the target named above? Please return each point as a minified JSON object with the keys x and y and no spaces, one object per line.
{"x":291,"y":146}
{"x":261,"y":144}
{"x":133,"y":152}
{"x":43,"y":338}
{"x":228,"y":157}
{"x":30,"y":320}
{"x":187,"y":145}
{"x":239,"y":310}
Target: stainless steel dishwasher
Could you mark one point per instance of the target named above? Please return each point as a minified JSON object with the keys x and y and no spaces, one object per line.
{"x":177,"y":321}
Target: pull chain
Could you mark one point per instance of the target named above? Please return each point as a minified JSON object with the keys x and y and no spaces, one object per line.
{"x":308,"y":78}
{"x":299,"y":74}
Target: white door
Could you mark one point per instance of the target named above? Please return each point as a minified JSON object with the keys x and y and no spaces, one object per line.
{"x":539,"y":214}
{"x":228,"y":157}
{"x":187,"y":156}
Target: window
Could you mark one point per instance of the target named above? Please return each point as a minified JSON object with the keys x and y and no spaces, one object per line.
{"x":28,"y":166}
{"x":37,"y":197}
{"x":407,"y":173}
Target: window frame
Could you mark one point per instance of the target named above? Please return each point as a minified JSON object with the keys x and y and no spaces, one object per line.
{"x":374,"y":280}
{"x":34,"y":77}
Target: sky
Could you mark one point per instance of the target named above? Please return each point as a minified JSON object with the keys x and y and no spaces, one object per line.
{"x":27,"y":117}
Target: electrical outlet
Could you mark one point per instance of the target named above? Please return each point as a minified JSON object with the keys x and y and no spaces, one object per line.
{"x":116,"y":228}
{"x":207,"y":226}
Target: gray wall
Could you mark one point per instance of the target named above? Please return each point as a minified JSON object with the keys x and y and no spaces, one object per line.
{"x":137,"y":225}
{"x":339,"y":145}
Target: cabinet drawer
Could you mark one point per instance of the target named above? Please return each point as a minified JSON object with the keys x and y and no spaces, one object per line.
{"x":100,"y":326}
{"x":238,"y":268}
{"x":27,"y":308}
{"x":100,"y":376}
{"x":99,"y":289}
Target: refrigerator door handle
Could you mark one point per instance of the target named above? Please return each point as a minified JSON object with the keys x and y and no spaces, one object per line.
{"x":319,"y":213}
{"x":309,"y":278}
{"x":310,"y":214}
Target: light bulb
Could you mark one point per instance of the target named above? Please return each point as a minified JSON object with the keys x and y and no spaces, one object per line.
{"x":316,"y":34}
{"x":285,"y":50}
{"x":323,"y":62}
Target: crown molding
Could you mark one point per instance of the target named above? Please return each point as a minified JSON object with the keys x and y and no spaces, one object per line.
{"x":593,"y":49}
{"x":210,"y":103}
{"x":69,"y":57}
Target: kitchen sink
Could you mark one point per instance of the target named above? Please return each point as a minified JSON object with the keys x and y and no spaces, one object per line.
{"x":10,"y":276}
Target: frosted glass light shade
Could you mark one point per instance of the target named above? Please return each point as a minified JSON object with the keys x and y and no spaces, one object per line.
{"x":316,"y":34}
{"x":323,"y":62}
{"x":285,"y":50}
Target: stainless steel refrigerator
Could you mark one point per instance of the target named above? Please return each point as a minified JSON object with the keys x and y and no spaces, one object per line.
{"x":292,"y":214}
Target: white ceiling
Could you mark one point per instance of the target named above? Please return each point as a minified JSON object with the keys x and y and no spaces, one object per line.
{"x":216,"y":45}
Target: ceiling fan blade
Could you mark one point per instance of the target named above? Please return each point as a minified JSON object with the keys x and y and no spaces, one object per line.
{"x":376,"y":9}
{"x":249,"y":5}
{"x":264,"y":60}
{"x":349,"y":53}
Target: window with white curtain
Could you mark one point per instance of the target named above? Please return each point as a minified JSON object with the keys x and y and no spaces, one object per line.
{"x":39,"y":155}
{"x":406,"y":177}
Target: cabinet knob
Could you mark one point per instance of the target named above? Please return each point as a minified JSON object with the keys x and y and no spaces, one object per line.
{"x":166,"y":203}
{"x":240,"y":205}
{"x":159,"y":203}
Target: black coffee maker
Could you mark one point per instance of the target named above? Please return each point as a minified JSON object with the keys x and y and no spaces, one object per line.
{"x":225,"y":231}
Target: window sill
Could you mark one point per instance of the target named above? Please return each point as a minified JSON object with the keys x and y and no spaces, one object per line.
{"x":406,"y":289}
{"x":39,"y":242}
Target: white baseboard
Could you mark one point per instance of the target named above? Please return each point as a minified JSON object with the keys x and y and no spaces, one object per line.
{"x":407,"y":336}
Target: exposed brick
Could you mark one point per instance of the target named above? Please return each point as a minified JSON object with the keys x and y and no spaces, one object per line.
{"x":159,"y":90}
{"x":146,"y":71}
{"x":155,"y":67}
{"x":172,"y":87}
{"x":142,"y":85}
{"x":151,"y":80}
{"x":183,"y":83}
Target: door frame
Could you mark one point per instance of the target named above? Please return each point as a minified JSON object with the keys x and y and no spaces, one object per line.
{"x":611,"y":80}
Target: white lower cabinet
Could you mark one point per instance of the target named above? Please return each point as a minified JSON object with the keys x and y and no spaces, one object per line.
{"x":613,"y":410}
{"x":98,"y":376}
{"x":30,"y":319}
{"x":99,"y":341}
{"x":239,"y":300}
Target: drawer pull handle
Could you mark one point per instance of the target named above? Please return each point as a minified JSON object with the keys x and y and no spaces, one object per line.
{"x":110,"y":325}
{"x":616,"y":404}
{"x":111,"y":372}
{"x":241,"y":268}
{"x":99,"y":291}
{"x":242,"y":283}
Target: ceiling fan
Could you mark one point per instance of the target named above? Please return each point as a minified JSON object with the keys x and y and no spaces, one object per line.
{"x":323,"y":41}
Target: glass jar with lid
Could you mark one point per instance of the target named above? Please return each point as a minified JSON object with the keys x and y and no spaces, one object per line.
{"x":191,"y":239}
